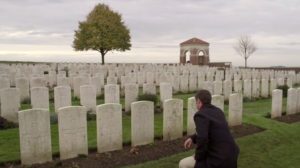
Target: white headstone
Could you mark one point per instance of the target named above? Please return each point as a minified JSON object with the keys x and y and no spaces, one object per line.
{"x":62,"y":97}
{"x":165,"y":91}
{"x":149,"y":88}
{"x":4,"y":83}
{"x":255,"y":88}
{"x":131,"y":95}
{"x":150,"y":77}
{"x":173,"y":119}
{"x":112,"y":94}
{"x":88,"y":98}
{"x":37,"y":82}
{"x":218,"y":101}
{"x":238,"y":86}
{"x":23,"y":85}
{"x":72,"y":128}
{"x":142,"y":123}
{"x":192,"y":83}
{"x":218,"y":87}
{"x":247,"y":88}
{"x":276,"y":103}
{"x":63,"y":81}
{"x":192,"y":109}
{"x":109,"y":127}
{"x":96,"y":81}
{"x":201,"y":79}
{"x":184,"y":82}
{"x":264,"y":88}
{"x":112,"y":80}
{"x":273,"y":85}
{"x":35,"y":138}
{"x":40,"y":97}
{"x":175,"y":83}
{"x":141,"y":79}
{"x":235,"y":109}
{"x":291,"y":101}
{"x":298,"y":100}
{"x":79,"y":81}
{"x":10,"y":103}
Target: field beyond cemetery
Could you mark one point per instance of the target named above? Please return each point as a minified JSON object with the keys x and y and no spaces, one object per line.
{"x":277,"y":146}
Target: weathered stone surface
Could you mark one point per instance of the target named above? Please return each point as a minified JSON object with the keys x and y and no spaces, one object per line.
{"x":72,"y":130}
{"x":227,"y":89}
{"x":79,"y":81}
{"x":192,"y":109}
{"x":173,"y":119}
{"x":23,"y":85}
{"x":37,"y":82}
{"x":175,"y":83}
{"x":165,"y":90}
{"x":101,"y":75}
{"x":109,"y":127}
{"x":280,"y":81}
{"x":210,"y":77}
{"x":62,"y":97}
{"x":255,"y":88}
{"x":150,"y":77}
{"x":131,"y":95}
{"x":141,"y":79}
{"x":10,"y":103}
{"x":276,"y":103}
{"x":264,"y":88}
{"x":184,"y":82}
{"x":192,"y":83}
{"x":238,"y":86}
{"x":235,"y":109}
{"x":218,"y":101}
{"x":289,"y":83}
{"x":209,"y":85}
{"x":96,"y":81}
{"x":164,"y":79}
{"x":291,"y":101}
{"x":35,"y":138}
{"x":112,"y":94}
{"x":247,"y":88}
{"x":142,"y":123}
{"x":40,"y":97}
{"x":63,"y":81}
{"x":273,"y":85}
{"x":149,"y":88}
{"x":218,"y":87}
{"x":201,"y":79}
{"x":4,"y":83}
{"x":112,"y":80}
{"x":88,"y":98}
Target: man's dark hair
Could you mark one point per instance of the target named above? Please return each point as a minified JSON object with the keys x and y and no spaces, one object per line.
{"x":204,"y":96}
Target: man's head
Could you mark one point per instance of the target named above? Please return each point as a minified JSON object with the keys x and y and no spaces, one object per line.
{"x":202,"y":97}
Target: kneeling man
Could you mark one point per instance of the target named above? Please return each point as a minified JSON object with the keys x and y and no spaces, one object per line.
{"x":216,"y":147}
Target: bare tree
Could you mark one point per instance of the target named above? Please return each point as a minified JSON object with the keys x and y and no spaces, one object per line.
{"x":245,"y":47}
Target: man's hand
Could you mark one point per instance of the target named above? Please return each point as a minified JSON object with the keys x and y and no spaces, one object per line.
{"x":188,"y":143}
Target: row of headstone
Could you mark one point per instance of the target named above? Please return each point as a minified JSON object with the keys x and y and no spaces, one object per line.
{"x":35,"y":135}
{"x":293,"y":102}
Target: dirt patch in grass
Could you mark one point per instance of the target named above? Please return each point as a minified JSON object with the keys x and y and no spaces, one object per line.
{"x":289,"y":119}
{"x":244,"y":130}
{"x":154,"y":151}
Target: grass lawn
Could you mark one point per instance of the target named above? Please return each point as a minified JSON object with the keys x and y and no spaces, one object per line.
{"x":278,"y":146}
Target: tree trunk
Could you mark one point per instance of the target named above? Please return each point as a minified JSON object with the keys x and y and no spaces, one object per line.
{"x":245,"y":62}
{"x":102,"y":55}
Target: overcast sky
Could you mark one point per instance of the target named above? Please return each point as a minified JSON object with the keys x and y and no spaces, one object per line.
{"x":43,"y":30}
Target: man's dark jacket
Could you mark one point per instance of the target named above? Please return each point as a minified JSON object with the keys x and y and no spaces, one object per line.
{"x":216,"y":147}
